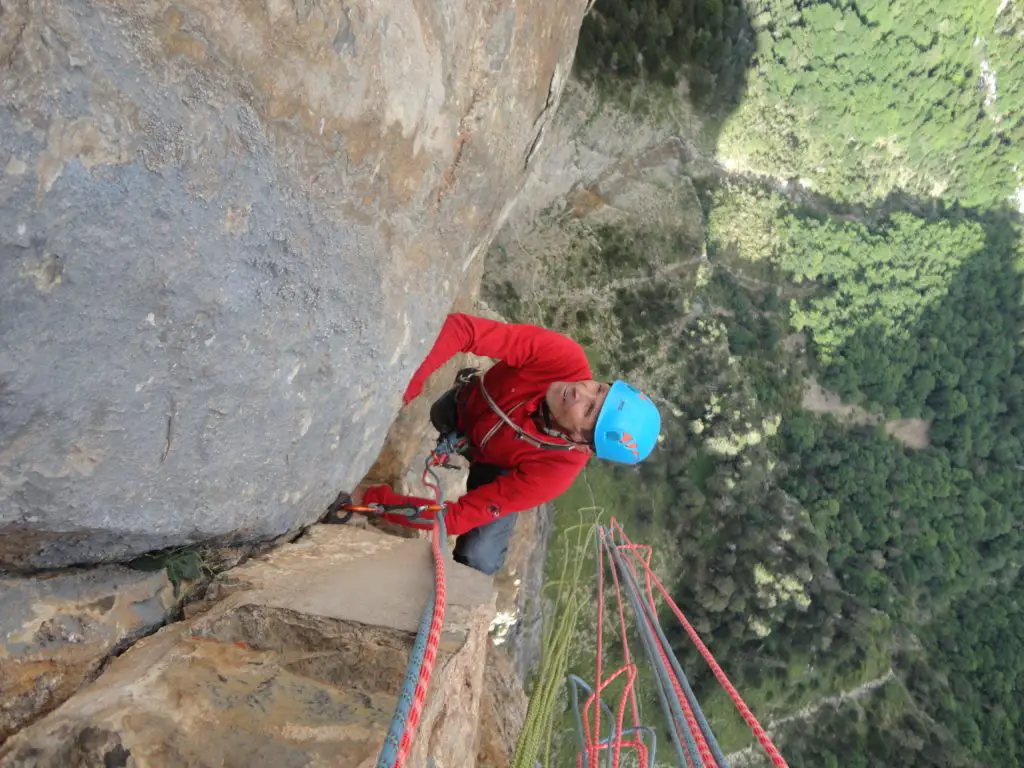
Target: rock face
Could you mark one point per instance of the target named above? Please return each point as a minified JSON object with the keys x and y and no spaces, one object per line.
{"x":228,"y":233}
{"x":502,"y":711}
{"x":599,"y":156}
{"x":518,"y":625}
{"x":601,"y":166}
{"x":411,"y":436}
{"x":298,"y":662}
{"x":55,"y":632}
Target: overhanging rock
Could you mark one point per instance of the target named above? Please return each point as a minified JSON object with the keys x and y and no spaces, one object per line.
{"x":300,"y":663}
{"x":228,"y":233}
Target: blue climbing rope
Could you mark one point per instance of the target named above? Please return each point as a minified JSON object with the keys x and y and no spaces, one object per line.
{"x":575,"y":684}
{"x":677,"y":669}
{"x":389,"y":754}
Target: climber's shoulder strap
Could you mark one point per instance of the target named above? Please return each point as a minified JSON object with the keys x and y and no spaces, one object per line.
{"x":505,"y":418}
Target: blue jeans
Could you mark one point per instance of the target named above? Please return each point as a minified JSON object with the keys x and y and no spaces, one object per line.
{"x":485,"y":547}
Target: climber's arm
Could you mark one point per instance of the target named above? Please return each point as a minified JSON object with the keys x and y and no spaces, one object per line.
{"x":517,"y":344}
{"x":529,"y":485}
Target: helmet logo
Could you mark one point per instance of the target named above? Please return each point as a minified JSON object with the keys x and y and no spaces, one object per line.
{"x":628,"y":441}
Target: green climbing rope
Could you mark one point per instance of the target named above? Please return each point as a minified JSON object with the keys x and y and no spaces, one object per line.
{"x":570,"y":601}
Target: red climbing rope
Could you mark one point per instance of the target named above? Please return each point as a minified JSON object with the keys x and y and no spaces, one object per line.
{"x":593,"y":738}
{"x":592,"y":748}
{"x":402,"y":731}
{"x":748,"y":717}
{"x":691,"y":719}
{"x":592,"y":734}
{"x":433,"y":640}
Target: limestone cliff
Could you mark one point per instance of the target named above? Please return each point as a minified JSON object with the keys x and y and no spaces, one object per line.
{"x":295,"y":656}
{"x":56,"y":633}
{"x":228,"y":233}
{"x":298,"y":660}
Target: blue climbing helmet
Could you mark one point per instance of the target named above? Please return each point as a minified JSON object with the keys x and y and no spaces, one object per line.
{"x":627,"y":426}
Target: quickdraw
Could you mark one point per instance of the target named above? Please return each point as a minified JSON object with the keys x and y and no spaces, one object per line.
{"x":342,"y":509}
{"x":448,"y":446}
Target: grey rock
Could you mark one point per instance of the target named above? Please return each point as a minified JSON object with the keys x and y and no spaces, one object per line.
{"x":228,"y":234}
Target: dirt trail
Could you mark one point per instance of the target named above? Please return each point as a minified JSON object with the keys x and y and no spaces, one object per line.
{"x":913,"y":433}
{"x":744,"y":756}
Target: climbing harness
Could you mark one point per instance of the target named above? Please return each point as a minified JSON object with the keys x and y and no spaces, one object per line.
{"x":448,"y":446}
{"x":692,"y":739}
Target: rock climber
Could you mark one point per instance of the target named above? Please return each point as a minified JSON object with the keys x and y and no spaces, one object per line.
{"x":532,"y":421}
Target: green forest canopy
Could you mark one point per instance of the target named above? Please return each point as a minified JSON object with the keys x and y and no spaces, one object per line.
{"x":814,"y":555}
{"x":858,"y":98}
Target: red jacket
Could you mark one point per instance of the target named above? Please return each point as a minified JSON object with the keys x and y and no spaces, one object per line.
{"x":530,"y":359}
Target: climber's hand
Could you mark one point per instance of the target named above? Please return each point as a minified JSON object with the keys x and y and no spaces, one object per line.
{"x":359,"y":494}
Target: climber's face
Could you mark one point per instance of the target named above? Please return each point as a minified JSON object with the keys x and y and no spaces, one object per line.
{"x":574,"y":405}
